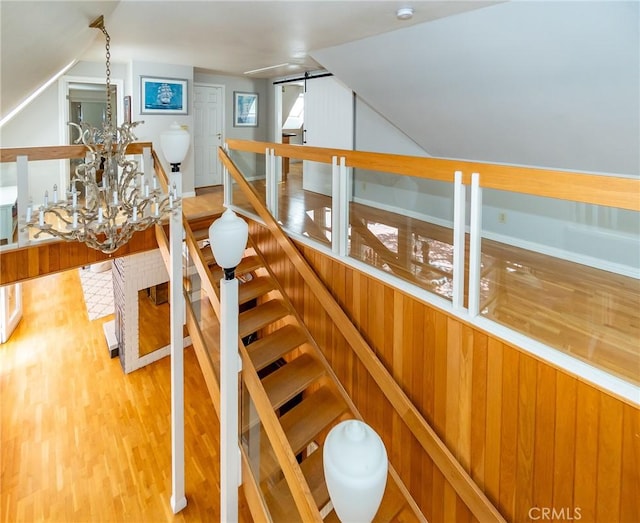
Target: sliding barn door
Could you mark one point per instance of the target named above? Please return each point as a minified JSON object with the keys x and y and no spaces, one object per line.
{"x":328,"y":122}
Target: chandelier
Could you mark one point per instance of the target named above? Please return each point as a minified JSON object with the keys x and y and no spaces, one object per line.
{"x":108,"y":198}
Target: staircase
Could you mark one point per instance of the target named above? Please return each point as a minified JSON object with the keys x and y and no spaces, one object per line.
{"x":303,"y":393}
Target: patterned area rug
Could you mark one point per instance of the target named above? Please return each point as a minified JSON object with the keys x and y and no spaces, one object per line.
{"x":97,"y":288}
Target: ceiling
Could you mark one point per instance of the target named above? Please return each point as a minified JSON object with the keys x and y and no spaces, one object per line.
{"x":39,"y":38}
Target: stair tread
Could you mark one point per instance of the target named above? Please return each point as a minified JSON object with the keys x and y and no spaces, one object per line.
{"x":307,"y":419}
{"x":254,"y":288}
{"x":247,"y":264}
{"x":200,"y":234}
{"x":279,"y":499}
{"x":304,"y":422}
{"x":258,"y":317}
{"x":291,"y":379}
{"x":392,"y":502}
{"x":313,"y":471}
{"x":265,"y":351}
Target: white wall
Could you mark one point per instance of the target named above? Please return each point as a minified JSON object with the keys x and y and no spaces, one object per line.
{"x":252,"y":165}
{"x":548,"y":84}
{"x":40,"y":124}
{"x":251,"y":85}
{"x":154,"y":125}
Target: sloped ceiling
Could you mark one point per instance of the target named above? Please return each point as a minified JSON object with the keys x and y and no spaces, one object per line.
{"x":38,"y":39}
{"x":229,"y":37}
{"x":552,"y":84}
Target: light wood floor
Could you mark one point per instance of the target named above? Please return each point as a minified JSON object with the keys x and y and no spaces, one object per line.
{"x":83,"y":442}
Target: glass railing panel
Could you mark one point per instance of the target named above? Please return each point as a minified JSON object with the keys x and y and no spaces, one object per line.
{"x":565,"y":274}
{"x":264,"y":464}
{"x":42,"y":176}
{"x":206,"y":319}
{"x":404,"y":226}
{"x":304,"y":200}
{"x":252,"y":166}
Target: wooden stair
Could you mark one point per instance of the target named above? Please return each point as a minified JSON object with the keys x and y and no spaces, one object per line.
{"x":300,"y":386}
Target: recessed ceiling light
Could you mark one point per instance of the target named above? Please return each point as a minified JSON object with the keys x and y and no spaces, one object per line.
{"x":404,"y":13}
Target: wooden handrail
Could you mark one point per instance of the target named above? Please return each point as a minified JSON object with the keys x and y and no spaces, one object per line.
{"x":456,"y":475}
{"x":279,"y":443}
{"x":58,"y":152}
{"x":598,"y":189}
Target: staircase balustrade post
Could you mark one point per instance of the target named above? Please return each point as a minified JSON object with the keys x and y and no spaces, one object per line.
{"x":475,"y":245}
{"x":22,"y":168}
{"x":177,"y":318}
{"x":459,"y":204}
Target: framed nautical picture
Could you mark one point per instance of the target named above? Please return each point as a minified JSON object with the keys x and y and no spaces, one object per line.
{"x":245,"y":109}
{"x":163,"y":95}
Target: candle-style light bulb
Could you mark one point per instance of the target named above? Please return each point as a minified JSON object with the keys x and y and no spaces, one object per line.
{"x":135,"y":213}
{"x":75,"y":220}
{"x":29,"y":210}
{"x":46,"y":198}
{"x":55,"y":193}
{"x":146,"y":190}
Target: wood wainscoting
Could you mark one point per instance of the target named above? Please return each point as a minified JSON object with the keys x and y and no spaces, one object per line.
{"x":532,"y":436}
{"x":48,"y":257}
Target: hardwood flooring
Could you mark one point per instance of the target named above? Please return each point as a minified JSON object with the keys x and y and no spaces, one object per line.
{"x":83,"y":442}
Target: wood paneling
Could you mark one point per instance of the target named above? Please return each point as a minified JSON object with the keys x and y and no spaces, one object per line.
{"x":529,"y":434}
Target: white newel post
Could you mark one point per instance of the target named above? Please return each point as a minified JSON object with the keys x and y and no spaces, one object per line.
{"x":228,"y":239}
{"x":175,"y":144}
{"x":178,"y":498}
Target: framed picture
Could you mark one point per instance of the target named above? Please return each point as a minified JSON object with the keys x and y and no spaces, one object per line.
{"x":245,"y":109}
{"x":127,"y":109}
{"x":163,"y":95}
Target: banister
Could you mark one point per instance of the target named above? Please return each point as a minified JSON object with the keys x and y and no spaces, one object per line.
{"x":460,"y":480}
{"x":597,"y":189}
{"x":58,"y":152}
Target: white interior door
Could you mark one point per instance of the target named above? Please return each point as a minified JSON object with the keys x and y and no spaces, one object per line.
{"x":208,"y":108}
{"x":328,"y":122}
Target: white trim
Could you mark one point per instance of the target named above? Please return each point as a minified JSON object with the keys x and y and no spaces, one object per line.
{"x":63,"y":112}
{"x":475,"y":245}
{"x":459,"y":207}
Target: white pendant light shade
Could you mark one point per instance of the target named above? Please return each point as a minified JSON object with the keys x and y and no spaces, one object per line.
{"x":175,"y":143}
{"x":355,"y":469}
{"x":228,"y":238}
